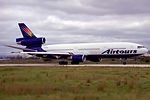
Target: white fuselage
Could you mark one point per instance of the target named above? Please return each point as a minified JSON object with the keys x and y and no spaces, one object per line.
{"x":114,"y":48}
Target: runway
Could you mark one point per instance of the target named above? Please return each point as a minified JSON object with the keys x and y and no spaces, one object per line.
{"x":81,"y":65}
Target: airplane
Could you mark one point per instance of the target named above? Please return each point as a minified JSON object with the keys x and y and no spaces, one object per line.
{"x":76,"y":52}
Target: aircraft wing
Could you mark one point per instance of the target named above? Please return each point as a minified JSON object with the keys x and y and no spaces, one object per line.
{"x":48,"y":53}
{"x":34,"y":52}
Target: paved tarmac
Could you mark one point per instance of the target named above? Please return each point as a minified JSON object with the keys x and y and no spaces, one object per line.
{"x":81,"y":65}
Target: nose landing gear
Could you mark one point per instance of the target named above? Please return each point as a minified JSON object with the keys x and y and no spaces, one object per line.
{"x":124,"y":61}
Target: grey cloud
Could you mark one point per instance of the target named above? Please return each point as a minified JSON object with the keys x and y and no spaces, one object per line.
{"x":120,"y":6}
{"x":70,"y":21}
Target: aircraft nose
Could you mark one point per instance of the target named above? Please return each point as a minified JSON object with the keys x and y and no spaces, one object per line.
{"x":145,"y":50}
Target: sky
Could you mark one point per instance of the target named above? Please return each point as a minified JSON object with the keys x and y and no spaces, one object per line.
{"x":74,"y":21}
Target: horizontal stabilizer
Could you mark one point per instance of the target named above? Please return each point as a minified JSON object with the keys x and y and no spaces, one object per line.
{"x":25,"y":49}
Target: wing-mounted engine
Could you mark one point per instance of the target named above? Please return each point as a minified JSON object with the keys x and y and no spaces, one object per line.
{"x":30,"y":41}
{"x":77,"y":58}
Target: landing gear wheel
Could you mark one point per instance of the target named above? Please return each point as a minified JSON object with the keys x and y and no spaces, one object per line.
{"x":124,"y":63}
{"x":63,"y":63}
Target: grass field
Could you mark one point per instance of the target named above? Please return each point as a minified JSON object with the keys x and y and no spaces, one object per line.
{"x":142,"y":60}
{"x":74,"y":83}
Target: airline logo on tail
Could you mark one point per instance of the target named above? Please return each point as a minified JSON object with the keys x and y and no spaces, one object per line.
{"x":26,"y":32}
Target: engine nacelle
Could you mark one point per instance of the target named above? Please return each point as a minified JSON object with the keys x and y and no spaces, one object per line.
{"x":30,"y":42}
{"x":78,"y":58}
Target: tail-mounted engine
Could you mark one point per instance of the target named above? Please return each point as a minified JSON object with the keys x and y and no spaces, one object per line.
{"x":30,"y":42}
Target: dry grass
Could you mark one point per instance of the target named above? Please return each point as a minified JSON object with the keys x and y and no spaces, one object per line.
{"x":74,"y":83}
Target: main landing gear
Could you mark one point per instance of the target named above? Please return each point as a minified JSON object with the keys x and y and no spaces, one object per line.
{"x":62,"y":62}
{"x":74,"y":62}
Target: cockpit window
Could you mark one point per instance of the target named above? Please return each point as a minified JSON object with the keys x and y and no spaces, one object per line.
{"x":140,"y":47}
